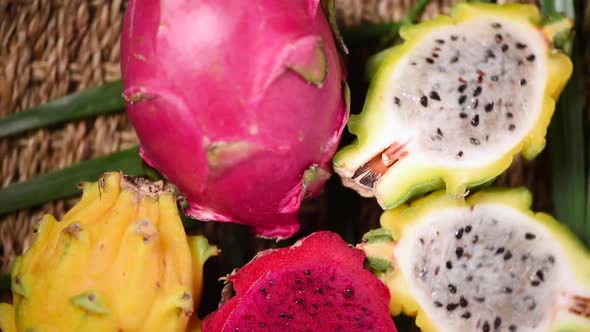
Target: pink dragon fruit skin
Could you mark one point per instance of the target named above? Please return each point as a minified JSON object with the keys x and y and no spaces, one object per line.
{"x":318,"y":284}
{"x":240,"y":104}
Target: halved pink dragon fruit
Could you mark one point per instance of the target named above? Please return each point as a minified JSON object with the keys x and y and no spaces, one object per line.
{"x":318,"y":284}
{"x":240,"y":104}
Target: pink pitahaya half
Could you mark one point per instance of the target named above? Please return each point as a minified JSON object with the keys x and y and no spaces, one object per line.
{"x":240,"y":104}
{"x":318,"y":284}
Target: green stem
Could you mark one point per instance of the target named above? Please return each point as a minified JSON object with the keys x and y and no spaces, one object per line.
{"x":5,"y":283}
{"x":64,"y":183}
{"x":100,"y":100}
{"x":566,"y":143}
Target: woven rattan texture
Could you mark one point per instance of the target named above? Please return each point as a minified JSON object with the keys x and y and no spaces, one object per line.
{"x":49,"y":48}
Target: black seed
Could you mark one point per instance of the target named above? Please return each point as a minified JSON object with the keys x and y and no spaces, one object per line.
{"x":463,"y":115}
{"x":424,"y":101}
{"x":477,"y":91}
{"x":307,"y":272}
{"x":434,"y":95}
{"x":452,"y":289}
{"x":490,"y":54}
{"x":283,"y":314}
{"x":397,"y":101}
{"x":494,"y":78}
{"x":531,"y":58}
{"x":319,"y":290}
{"x":524,"y":257}
{"x":261,"y":324}
{"x":479,"y":299}
{"x":520,"y":46}
{"x":462,"y":99}
{"x":507,"y":290}
{"x":504,"y":47}
{"x":509,"y":115}
{"x":507,"y":255}
{"x":463,"y":302}
{"x":437,"y":304}
{"x":449,"y":265}
{"x":551,"y":259}
{"x":497,"y":322}
{"x":452,"y":306}
{"x":475,"y":122}
{"x":535,"y":283}
{"x":531,"y":302}
{"x":540,"y":275}
{"x":530,"y":236}
{"x":500,"y":250}
{"x":439,"y":132}
{"x":454,"y":37}
{"x":298,"y":281}
{"x":486,"y":327}
{"x":475,"y":238}
{"x":422,"y":240}
{"x":469,"y":278}
{"x":474,"y":140}
{"x":299,"y":300}
{"x":462,"y":88}
{"x":429,"y":60}
{"x":498,"y":38}
{"x":511,"y":127}
{"x":512,"y":328}
{"x":459,"y":252}
{"x":475,"y":104}
{"x":467,"y":229}
{"x":454,"y":59}
{"x":460,"y":154}
{"x":263,"y":290}
{"x":413,"y":63}
{"x":496,"y":25}
{"x":459,"y":233}
{"x":272,"y":282}
{"x":489,"y":107}
{"x":523,"y":82}
{"x":435,"y":55}
{"x":466,"y":315}
{"x":348,"y":292}
{"x":440,"y":41}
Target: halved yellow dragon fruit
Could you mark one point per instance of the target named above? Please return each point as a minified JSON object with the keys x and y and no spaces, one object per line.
{"x":485,"y":263}
{"x":455,"y":102}
{"x":118,"y":261}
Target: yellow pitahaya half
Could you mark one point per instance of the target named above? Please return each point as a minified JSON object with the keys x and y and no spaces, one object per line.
{"x":454,"y":103}
{"x":119,"y":260}
{"x":240,"y":104}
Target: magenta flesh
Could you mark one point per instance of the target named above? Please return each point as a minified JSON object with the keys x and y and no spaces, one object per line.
{"x":319,"y":284}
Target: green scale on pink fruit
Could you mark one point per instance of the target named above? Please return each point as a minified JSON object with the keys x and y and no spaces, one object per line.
{"x":240,"y":106}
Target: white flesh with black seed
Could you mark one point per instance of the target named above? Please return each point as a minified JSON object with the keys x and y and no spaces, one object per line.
{"x":468,"y":94}
{"x":490,"y":268}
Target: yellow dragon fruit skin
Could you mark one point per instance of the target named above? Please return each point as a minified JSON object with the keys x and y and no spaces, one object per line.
{"x":118,"y":261}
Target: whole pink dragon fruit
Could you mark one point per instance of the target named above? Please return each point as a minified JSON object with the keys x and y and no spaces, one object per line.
{"x":318,"y":284}
{"x":240,"y":104}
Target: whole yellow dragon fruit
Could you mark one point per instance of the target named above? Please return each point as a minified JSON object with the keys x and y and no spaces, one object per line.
{"x":118,"y":261}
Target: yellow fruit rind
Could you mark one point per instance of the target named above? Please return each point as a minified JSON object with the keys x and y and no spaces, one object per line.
{"x":118,"y":260}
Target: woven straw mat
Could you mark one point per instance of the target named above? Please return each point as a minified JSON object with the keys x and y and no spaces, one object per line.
{"x":50,"y":48}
